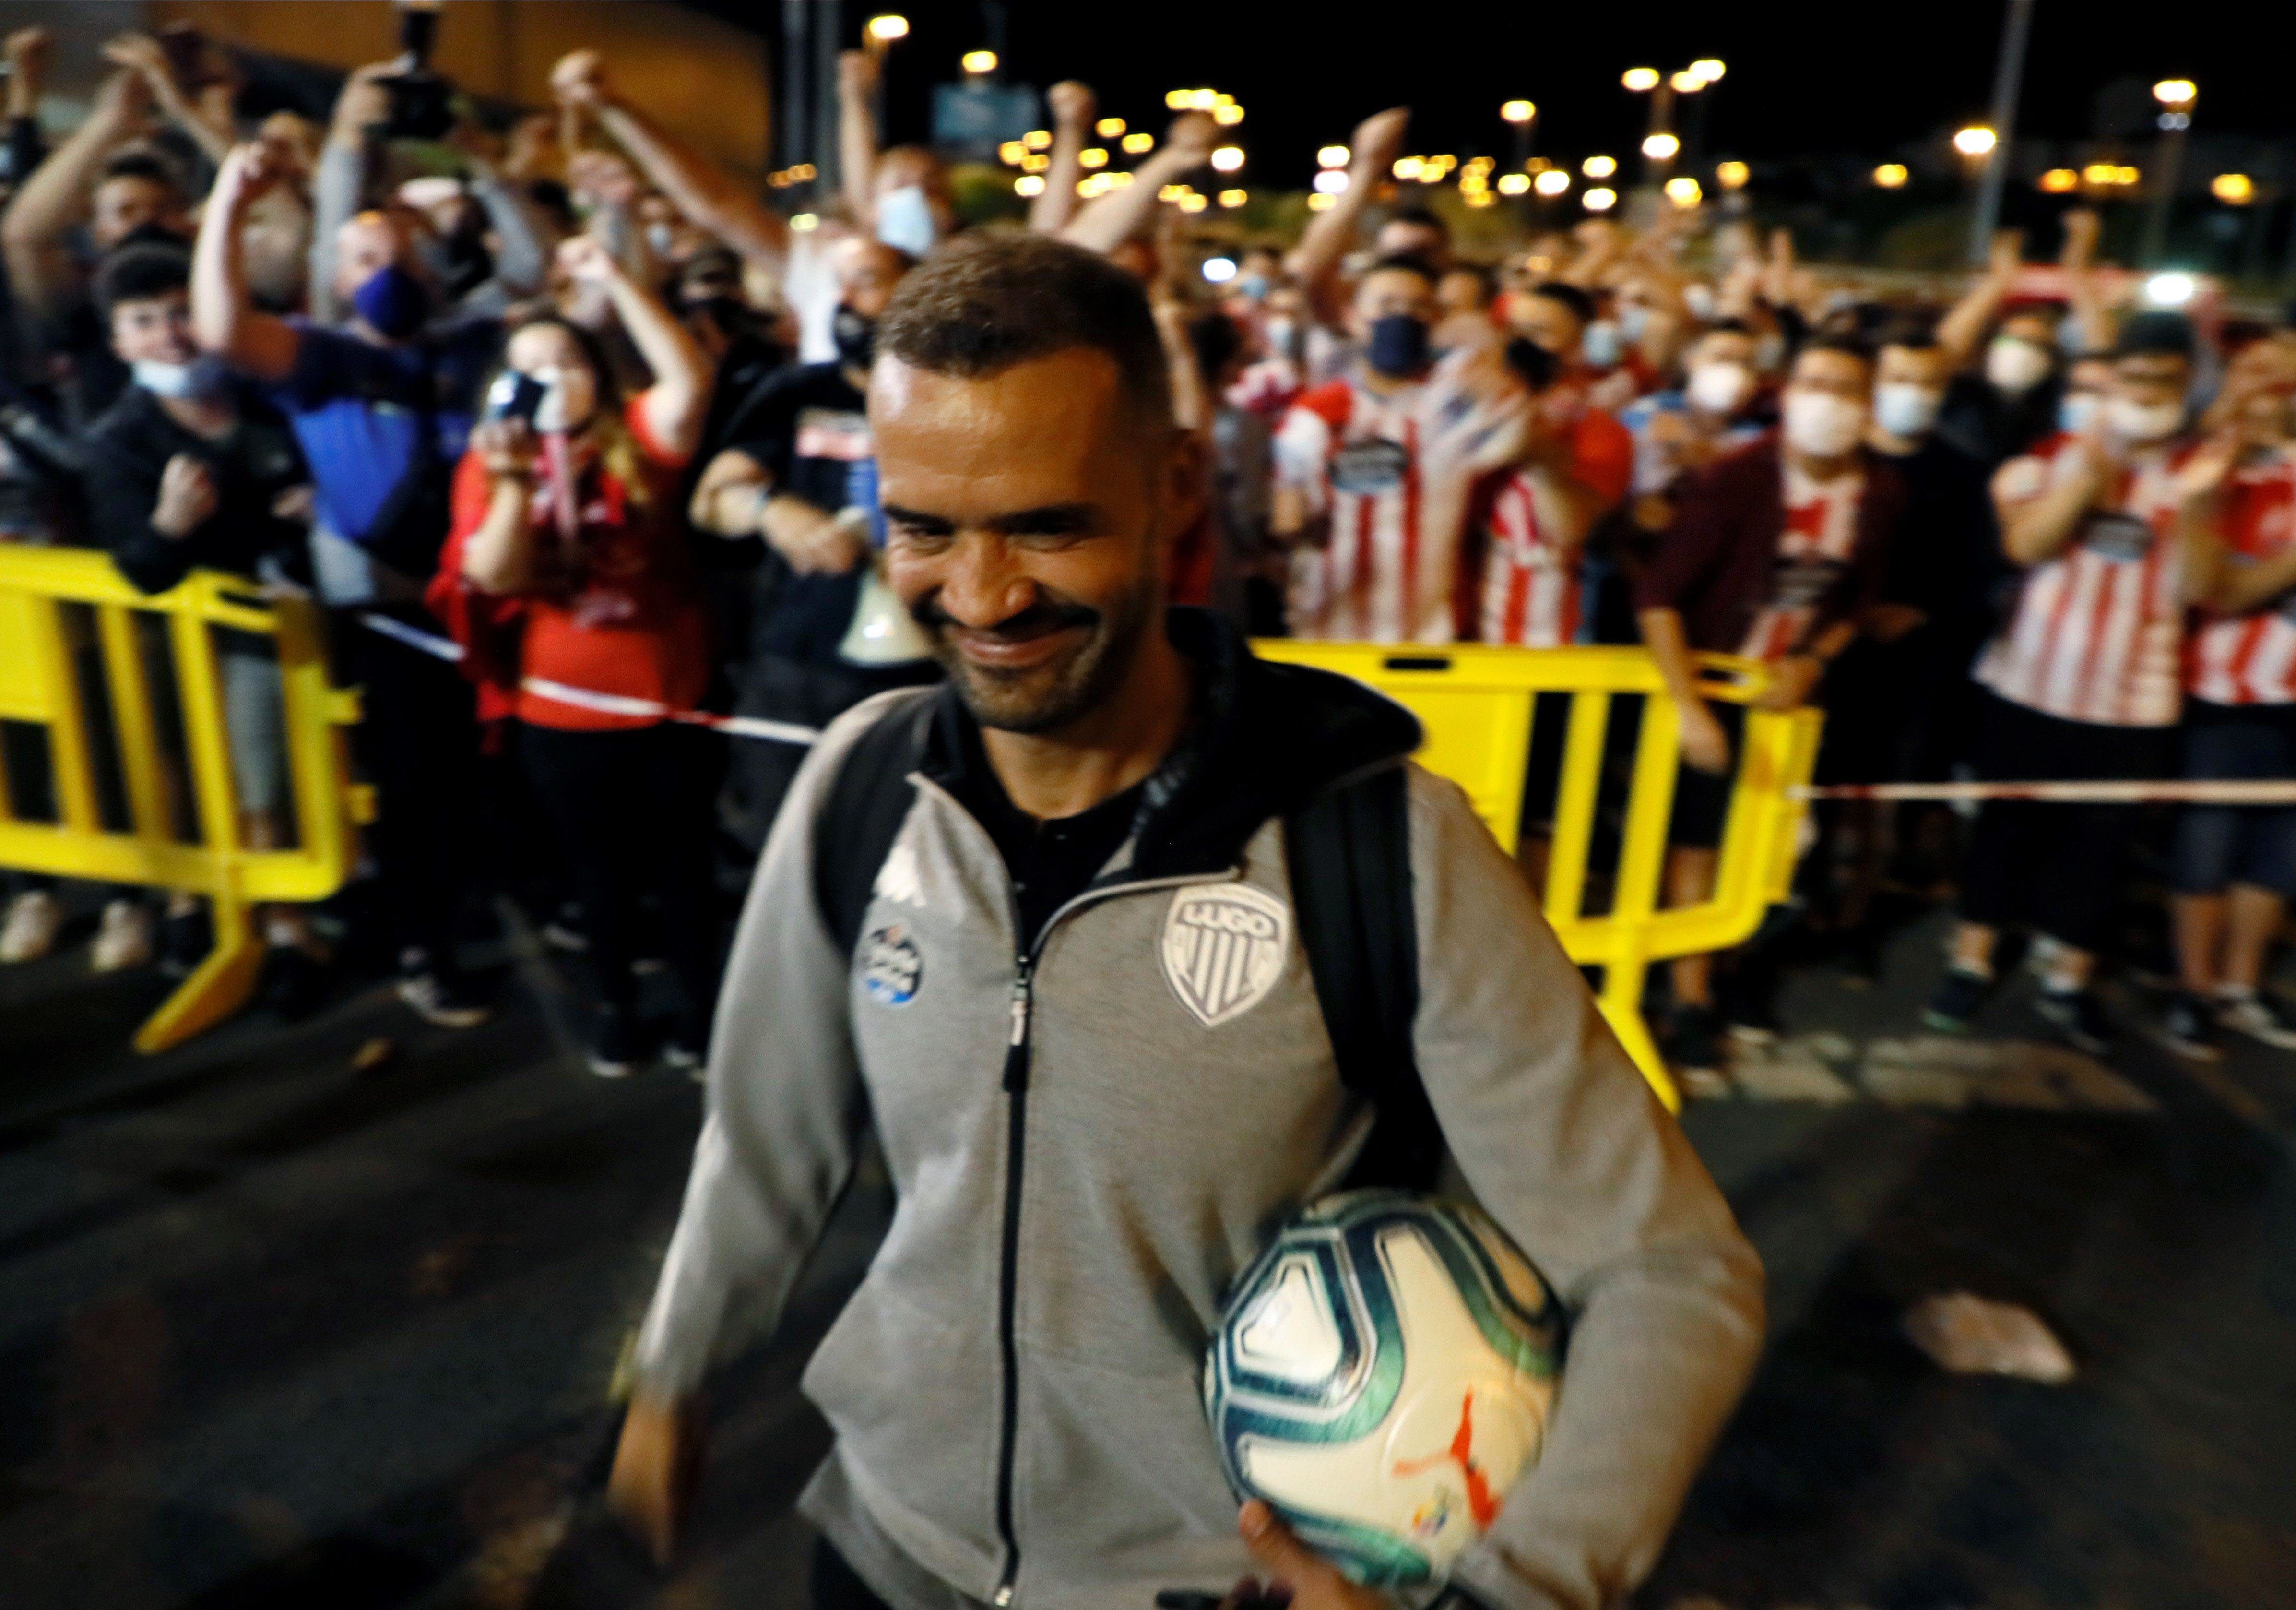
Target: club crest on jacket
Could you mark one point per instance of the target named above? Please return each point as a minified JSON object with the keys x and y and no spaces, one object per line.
{"x":1223,"y":949}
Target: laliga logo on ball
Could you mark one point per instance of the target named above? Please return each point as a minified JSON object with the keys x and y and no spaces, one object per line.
{"x":1381,"y":1376}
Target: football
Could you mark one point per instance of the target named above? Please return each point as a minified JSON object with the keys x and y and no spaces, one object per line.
{"x":1381,"y":1377}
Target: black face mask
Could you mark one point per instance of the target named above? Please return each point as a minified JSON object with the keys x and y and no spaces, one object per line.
{"x":856,"y":338}
{"x":1399,"y":346}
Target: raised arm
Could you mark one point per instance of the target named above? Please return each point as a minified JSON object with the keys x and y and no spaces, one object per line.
{"x":858,"y":73}
{"x":344,"y":178}
{"x":680,"y":396}
{"x":27,"y":54}
{"x":1966,"y":323}
{"x":2091,"y":311}
{"x":703,"y":192}
{"x":1073,"y":105}
{"x":2036,"y":524}
{"x":56,"y":195}
{"x":1112,"y":219}
{"x":140,"y":53}
{"x":224,"y":318}
{"x":1371,"y":153}
{"x":498,"y":555}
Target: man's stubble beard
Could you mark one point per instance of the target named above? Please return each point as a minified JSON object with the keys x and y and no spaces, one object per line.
{"x":1072,"y":687}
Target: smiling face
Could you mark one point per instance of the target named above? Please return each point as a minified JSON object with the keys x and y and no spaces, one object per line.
{"x":1030,"y":513}
{"x":156,"y":329}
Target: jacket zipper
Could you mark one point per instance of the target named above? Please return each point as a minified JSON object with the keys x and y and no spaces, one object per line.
{"x":1015,"y":1082}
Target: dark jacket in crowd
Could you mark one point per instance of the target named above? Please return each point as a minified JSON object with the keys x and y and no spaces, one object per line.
{"x":1716,"y":565}
{"x":127,"y":450}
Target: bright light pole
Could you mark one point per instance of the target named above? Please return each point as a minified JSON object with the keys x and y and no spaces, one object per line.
{"x":2176,"y":96}
{"x":2008,"y":73}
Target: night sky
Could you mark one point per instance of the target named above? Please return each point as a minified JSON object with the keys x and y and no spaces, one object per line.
{"x":1866,"y":77}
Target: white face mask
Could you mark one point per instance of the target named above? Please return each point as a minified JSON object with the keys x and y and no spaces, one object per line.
{"x":1903,"y":409}
{"x":1634,"y":322}
{"x":1698,"y":296}
{"x":2013,"y":364}
{"x":1822,"y":424}
{"x":1719,"y":387}
{"x":1599,"y":346}
{"x":905,"y":220}
{"x":2133,"y":421}
{"x":203,"y":376}
{"x":661,"y":238}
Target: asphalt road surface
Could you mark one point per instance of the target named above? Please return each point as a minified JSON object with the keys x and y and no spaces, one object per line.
{"x":280,"y":1330}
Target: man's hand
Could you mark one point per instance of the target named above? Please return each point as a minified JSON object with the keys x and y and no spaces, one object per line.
{"x":253,"y":168}
{"x":1293,"y":1571}
{"x":655,"y":1464}
{"x":1073,"y":104}
{"x":533,"y":151}
{"x":28,"y":69}
{"x":1793,"y":679}
{"x":2008,"y":255}
{"x":363,"y":103}
{"x":1705,"y":746}
{"x":2080,"y":225}
{"x":187,"y":497}
{"x":1192,"y":134}
{"x":580,"y":81}
{"x":814,"y":543}
{"x":858,"y":71}
{"x":1376,"y":139}
{"x":602,"y":177}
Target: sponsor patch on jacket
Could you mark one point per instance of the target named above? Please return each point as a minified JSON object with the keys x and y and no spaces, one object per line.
{"x":1223,"y":949}
{"x":892,"y":968}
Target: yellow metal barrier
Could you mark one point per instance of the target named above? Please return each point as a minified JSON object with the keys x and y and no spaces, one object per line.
{"x":40,"y":685}
{"x":1476,"y":703}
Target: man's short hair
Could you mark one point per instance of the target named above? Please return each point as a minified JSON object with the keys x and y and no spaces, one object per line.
{"x":1848,"y":345}
{"x":1420,"y":218}
{"x":140,"y":274}
{"x":1533,"y":365}
{"x":1912,"y":334}
{"x":981,"y":304}
{"x":1403,"y":262}
{"x":1581,"y":305}
{"x":143,"y":164}
{"x":2156,"y":333}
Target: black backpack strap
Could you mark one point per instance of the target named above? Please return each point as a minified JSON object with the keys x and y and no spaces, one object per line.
{"x":862,"y":814}
{"x":1350,"y":855}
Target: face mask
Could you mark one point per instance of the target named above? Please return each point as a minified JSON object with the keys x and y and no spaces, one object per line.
{"x":393,"y":301}
{"x":1822,"y":424}
{"x":1634,"y":323}
{"x":203,"y":376}
{"x":1600,"y":345}
{"x":1251,"y":287}
{"x":2133,"y":421}
{"x":856,"y":335}
{"x":1698,"y":297}
{"x":1905,"y":409}
{"x":1284,"y":337}
{"x":1399,"y":346}
{"x":2078,"y":411}
{"x":905,"y":220}
{"x":1719,"y":387}
{"x":661,"y":238}
{"x":2012,"y":364}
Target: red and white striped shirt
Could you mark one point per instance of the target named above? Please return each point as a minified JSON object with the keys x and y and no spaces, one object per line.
{"x":1820,"y":534}
{"x":1382,"y":576}
{"x":1532,"y":586}
{"x":2098,"y":630}
{"x":2251,"y":659}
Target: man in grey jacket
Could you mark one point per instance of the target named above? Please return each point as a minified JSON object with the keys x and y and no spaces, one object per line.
{"x":1088,"y":1139}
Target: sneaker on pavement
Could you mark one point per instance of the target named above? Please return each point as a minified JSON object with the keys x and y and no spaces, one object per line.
{"x":123,"y":939}
{"x":442,"y":998}
{"x":2078,"y":1017}
{"x":614,"y":1043}
{"x":29,"y":931}
{"x":1958,"y":995}
{"x":2189,"y":1027}
{"x":2257,"y":1015}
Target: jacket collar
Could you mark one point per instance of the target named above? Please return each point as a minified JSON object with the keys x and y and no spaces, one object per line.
{"x":1265,"y":740}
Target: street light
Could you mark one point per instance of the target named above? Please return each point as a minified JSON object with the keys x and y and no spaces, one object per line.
{"x":1683,"y":191}
{"x":2058,"y":181}
{"x":1640,"y":79}
{"x":1028,"y":185}
{"x":1331,"y":181}
{"x":1093,"y":156}
{"x":1233,"y":198}
{"x":1599,"y":168}
{"x":1686,"y":82}
{"x":1732,"y":175}
{"x":1331,"y":156}
{"x":1227,"y":159}
{"x":1108,"y":129}
{"x":2233,"y":189}
{"x":1601,"y":199}
{"x":1550,"y":183}
{"x":1038,"y":139}
{"x":1890,"y":176}
{"x":1138,"y":141}
{"x":1513,"y":184}
{"x":979,"y":61}
{"x":888,"y":27}
{"x":1661,"y":147}
{"x":1518,"y":112}
{"x":1709,"y":68}
{"x":1975,"y":141}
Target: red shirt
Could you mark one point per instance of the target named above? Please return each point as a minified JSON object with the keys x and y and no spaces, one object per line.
{"x":614,"y":610}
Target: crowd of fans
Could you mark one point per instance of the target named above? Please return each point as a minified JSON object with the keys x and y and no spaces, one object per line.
{"x":580,"y":403}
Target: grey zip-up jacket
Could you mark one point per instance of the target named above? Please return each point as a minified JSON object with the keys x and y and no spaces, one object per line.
{"x":1092,"y":1136}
